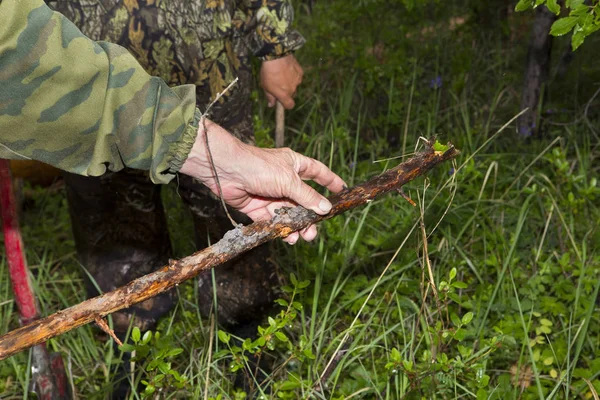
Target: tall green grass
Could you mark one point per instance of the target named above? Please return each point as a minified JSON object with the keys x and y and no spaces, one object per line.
{"x":511,"y":232}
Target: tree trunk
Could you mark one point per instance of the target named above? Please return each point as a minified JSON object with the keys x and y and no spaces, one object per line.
{"x":536,"y":72}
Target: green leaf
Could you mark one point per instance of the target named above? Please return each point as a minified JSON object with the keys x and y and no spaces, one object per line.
{"x":308,"y":354}
{"x":149,"y":390}
{"x":459,"y":285}
{"x":523,"y":5}
{"x":482,"y":394}
{"x":282,"y":302}
{"x":395,"y":356}
{"x":563,"y":26}
{"x":452,"y":273}
{"x":304,"y":284}
{"x":128,"y":348}
{"x":293,"y":279}
{"x":468,"y":317}
{"x":281,"y":336}
{"x":223,"y":337}
{"x":147,"y":337}
{"x":164,"y":367}
{"x":437,"y":146}
{"x":289,"y":385}
{"x":136,"y":334}
{"x":553,"y":6}
{"x":574,"y":3}
{"x":174,"y":352}
{"x":460,"y":334}
{"x":577,"y":40}
{"x":455,"y":320}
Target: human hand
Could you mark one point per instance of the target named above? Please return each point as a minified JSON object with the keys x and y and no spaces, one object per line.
{"x":258,"y":181}
{"x":279,"y":79}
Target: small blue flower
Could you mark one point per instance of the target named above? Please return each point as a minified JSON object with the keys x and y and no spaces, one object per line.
{"x":451,"y":172}
{"x":526,"y":131}
{"x":436,"y":83}
{"x":352,"y":165}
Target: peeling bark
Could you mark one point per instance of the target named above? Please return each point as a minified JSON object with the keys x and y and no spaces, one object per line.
{"x":233,"y":243}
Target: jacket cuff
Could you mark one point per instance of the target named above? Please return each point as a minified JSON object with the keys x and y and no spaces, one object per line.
{"x":179,"y":150}
{"x":280,"y":47}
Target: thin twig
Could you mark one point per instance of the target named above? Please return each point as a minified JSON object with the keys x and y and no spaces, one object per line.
{"x":210,"y":157}
{"x":210,"y":344}
{"x":337,"y":357}
{"x":427,"y":262}
{"x":104,"y":326}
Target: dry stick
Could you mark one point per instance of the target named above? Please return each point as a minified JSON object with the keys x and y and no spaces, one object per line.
{"x":279,"y":125}
{"x":210,"y":344}
{"x":210,"y":157}
{"x":104,"y":326}
{"x":233,"y":243}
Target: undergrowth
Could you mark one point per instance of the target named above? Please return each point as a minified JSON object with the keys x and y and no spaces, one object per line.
{"x":486,"y":288}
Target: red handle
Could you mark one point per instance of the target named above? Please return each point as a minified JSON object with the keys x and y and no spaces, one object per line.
{"x":15,"y":254}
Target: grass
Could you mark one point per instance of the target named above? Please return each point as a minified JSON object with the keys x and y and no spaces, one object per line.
{"x":510,"y":232}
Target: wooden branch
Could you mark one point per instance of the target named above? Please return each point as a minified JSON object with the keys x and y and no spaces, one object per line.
{"x":233,"y":243}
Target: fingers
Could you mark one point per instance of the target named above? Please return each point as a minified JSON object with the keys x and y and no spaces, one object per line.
{"x":285,"y":98}
{"x":292,"y":238}
{"x":271,"y":100}
{"x":287,"y":102}
{"x":308,"y":234}
{"x":308,"y":197}
{"x":312,"y":169}
{"x":280,"y":78}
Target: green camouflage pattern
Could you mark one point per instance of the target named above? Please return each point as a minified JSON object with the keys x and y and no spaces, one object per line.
{"x":85,"y":106}
{"x":203,"y":42}
{"x":118,"y":219}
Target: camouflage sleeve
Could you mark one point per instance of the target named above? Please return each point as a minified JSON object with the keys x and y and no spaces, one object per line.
{"x":272,"y":36}
{"x":85,"y":106}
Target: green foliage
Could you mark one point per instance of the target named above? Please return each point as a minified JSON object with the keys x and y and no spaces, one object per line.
{"x":511,"y":231}
{"x":269,"y":338}
{"x":155,"y":352}
{"x":582,"y":18}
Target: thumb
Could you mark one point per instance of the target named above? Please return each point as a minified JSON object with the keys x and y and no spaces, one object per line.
{"x":309,"y":198}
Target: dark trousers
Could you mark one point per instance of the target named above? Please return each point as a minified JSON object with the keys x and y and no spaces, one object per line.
{"x":121,"y":233}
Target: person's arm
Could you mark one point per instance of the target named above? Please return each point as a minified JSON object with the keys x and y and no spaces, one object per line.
{"x":271,"y":36}
{"x":85,"y":106}
{"x":273,"y":40}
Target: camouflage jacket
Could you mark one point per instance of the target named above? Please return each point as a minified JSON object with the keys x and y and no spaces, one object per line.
{"x":86,"y":106}
{"x":203,"y":42}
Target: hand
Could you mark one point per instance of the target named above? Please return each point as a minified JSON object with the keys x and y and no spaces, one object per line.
{"x":279,"y":79}
{"x":258,"y":181}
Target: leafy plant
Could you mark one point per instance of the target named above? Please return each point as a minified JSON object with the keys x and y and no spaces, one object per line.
{"x":582,"y":18}
{"x":154,"y":352}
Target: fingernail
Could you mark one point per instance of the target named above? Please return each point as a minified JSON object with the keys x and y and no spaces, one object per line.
{"x":325,"y":206}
